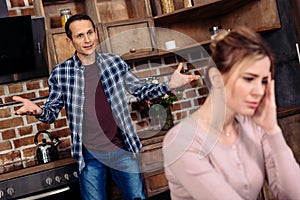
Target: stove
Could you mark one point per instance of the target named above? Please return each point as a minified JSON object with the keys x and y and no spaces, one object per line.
{"x":40,"y":181}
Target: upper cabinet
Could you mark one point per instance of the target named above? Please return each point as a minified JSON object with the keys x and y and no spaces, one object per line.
{"x":126,"y":26}
{"x":140,"y":28}
{"x":194,"y":22}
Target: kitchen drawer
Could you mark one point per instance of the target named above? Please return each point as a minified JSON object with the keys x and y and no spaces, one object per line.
{"x":130,"y":39}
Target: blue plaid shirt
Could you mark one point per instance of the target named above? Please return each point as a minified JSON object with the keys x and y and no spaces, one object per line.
{"x":66,"y":86}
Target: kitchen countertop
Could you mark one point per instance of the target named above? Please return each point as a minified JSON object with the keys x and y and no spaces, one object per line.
{"x":287,"y":111}
{"x":36,"y":168}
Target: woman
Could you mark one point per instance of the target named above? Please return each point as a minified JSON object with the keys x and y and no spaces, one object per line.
{"x":232,"y":143}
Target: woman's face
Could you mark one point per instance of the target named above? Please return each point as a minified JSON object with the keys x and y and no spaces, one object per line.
{"x":246,"y":85}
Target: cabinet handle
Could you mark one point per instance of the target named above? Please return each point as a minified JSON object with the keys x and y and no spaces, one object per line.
{"x":132,"y":50}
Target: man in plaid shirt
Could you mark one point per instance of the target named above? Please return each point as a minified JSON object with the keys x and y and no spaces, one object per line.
{"x":92,"y":87}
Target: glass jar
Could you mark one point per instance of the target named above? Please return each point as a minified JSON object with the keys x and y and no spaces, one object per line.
{"x":187,"y":3}
{"x":214,"y":31}
{"x":167,"y":6}
{"x":65,"y":14}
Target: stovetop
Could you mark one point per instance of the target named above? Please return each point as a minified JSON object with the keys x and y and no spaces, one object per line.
{"x":37,"y":179}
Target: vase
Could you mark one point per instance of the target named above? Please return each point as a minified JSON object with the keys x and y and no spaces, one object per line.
{"x":160,"y":117}
{"x":169,"y":120}
{"x":167,"y":6}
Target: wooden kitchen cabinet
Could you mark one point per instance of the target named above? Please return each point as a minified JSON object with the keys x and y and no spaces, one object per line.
{"x":130,"y":39}
{"x":194,"y":22}
{"x":126,"y":26}
{"x":151,"y":162}
{"x":59,"y":49}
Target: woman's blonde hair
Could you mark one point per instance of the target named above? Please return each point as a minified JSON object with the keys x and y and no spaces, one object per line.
{"x":230,"y":48}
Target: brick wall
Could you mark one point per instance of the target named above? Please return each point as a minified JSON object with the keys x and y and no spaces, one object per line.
{"x":20,"y":7}
{"x":17,"y":132}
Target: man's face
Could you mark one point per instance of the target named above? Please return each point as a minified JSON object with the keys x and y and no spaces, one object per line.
{"x":84,"y":38}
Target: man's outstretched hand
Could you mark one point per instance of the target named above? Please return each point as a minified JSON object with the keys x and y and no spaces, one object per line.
{"x":28,"y":108}
{"x":179,"y":80}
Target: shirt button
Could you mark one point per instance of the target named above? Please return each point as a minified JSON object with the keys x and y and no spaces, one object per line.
{"x":246,"y":187}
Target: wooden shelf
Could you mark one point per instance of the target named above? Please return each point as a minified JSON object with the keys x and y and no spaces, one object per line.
{"x":210,"y":9}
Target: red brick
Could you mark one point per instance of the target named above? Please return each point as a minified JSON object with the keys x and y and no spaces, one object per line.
{"x":44,"y":93}
{"x":203,"y":91}
{"x":167,"y":69}
{"x":27,"y":11}
{"x":8,"y":134}
{"x":15,"y":88}
{"x":23,"y":141}
{"x":27,"y":96}
{"x":12,"y":13}
{"x":18,"y":121}
{"x":31,"y":119}
{"x":10,"y":156}
{"x":5,"y":112}
{"x":181,"y":115}
{"x":33,"y":85}
{"x":64,"y":143}
{"x":61,"y":133}
{"x":5,"y":146}
{"x":17,"y":3}
{"x":29,"y":152}
{"x":45,"y":82}
{"x":190,"y":94}
{"x":60,"y":123}
{"x":147,"y":73}
{"x":63,"y":112}
{"x":43,"y":126}
{"x":1,"y":90}
{"x":25,"y":130}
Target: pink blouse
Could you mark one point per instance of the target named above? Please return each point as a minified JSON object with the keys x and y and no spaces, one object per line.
{"x":197,"y":167}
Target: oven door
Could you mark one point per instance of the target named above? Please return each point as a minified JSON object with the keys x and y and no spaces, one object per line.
{"x":68,"y":192}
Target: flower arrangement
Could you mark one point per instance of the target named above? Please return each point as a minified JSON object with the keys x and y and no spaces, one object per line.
{"x":166,"y":101}
{"x":158,"y":110}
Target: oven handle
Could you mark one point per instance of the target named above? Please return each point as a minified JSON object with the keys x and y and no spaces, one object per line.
{"x":46,"y":194}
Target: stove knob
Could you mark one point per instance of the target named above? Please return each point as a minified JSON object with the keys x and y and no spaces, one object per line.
{"x":58,"y":179}
{"x":67,"y":177}
{"x":75,"y":174}
{"x":10,"y":191}
{"x":49,"y":181}
{"x":1,"y":194}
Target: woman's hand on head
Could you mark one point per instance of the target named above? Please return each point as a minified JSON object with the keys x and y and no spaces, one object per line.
{"x":28,"y":108}
{"x":266,"y":114}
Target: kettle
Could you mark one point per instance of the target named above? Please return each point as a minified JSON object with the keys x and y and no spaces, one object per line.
{"x":46,"y":151}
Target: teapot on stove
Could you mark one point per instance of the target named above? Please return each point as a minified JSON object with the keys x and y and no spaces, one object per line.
{"x":46,"y":151}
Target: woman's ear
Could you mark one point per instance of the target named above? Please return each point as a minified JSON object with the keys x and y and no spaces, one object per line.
{"x":215,"y":78}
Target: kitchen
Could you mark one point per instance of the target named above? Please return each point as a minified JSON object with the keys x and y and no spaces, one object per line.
{"x":17,"y":133}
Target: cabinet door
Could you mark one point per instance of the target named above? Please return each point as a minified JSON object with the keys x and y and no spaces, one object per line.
{"x":130,"y":39}
{"x":59,"y":49}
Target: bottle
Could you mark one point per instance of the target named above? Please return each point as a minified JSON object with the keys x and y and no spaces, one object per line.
{"x":214,"y":31}
{"x":187,"y":3}
{"x":65,"y":14}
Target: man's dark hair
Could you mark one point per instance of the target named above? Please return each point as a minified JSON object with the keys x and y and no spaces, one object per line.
{"x":73,"y":18}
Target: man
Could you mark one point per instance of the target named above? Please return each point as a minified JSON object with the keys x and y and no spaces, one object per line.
{"x":92,"y":86}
